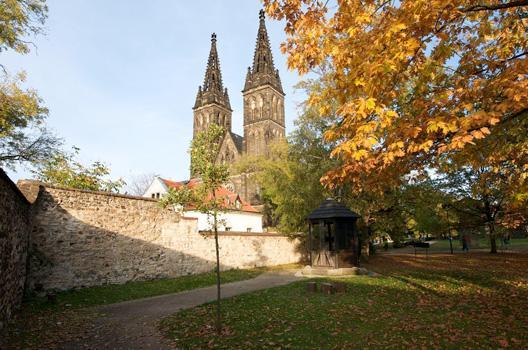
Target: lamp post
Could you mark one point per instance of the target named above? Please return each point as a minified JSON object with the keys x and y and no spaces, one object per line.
{"x":449,"y":231}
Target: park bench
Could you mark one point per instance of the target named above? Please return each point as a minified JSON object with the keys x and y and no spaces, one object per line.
{"x":423,"y":245}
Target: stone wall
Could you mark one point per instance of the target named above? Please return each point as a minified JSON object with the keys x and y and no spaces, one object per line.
{"x":85,"y":238}
{"x":14,"y":232}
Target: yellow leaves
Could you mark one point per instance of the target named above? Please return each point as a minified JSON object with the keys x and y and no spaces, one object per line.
{"x":387,"y":88}
{"x":358,"y":155}
{"x":396,"y":145}
{"x":426,"y":146}
{"x":370,"y":141}
{"x":480,"y":133}
{"x":370,"y":103}
{"x":477,"y":134}
{"x":460,"y":141}
{"x":468,"y":106}
{"x":438,"y":125}
{"x":363,"y":18}
{"x":412,"y":45}
{"x":494,"y":121}
{"x":414,"y":132}
{"x":359,"y":108}
{"x":324,"y":110}
{"x":398,"y":27}
{"x":359,"y":82}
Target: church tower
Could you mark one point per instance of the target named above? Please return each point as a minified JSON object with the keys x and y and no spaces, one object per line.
{"x":263,"y":98}
{"x":212,"y":101}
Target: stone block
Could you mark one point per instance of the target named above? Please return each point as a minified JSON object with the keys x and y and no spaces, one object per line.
{"x":327,"y":288}
{"x":340,"y":287}
{"x":311,"y":287}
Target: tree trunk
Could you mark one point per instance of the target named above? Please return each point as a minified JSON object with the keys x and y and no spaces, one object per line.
{"x":490,"y":218}
{"x":218,"y":318}
{"x":493,"y":239}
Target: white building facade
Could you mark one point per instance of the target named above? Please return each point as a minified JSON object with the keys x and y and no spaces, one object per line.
{"x":238,"y":216}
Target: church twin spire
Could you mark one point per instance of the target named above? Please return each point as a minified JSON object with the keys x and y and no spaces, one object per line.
{"x":212,"y":90}
{"x":263,"y":71}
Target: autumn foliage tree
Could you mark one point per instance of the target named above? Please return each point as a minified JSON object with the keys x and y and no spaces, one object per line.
{"x":412,"y":79}
{"x":413,"y":82}
{"x":23,"y":135}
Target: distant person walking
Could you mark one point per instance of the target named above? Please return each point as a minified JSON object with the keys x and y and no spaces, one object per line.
{"x":465,"y":245}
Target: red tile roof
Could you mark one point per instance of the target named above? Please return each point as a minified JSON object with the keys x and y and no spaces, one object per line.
{"x":229,"y":197}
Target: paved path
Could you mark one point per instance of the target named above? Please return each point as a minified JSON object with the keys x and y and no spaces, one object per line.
{"x":133,"y":324}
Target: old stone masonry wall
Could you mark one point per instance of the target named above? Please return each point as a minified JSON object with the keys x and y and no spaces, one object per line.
{"x":84,"y":238}
{"x":14,"y":233}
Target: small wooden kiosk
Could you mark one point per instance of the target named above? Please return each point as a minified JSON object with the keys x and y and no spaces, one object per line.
{"x":333,"y":240}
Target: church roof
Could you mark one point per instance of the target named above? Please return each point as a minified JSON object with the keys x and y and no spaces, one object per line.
{"x":212,"y":90}
{"x":230,"y":198}
{"x":263,"y":71}
{"x":238,"y":140}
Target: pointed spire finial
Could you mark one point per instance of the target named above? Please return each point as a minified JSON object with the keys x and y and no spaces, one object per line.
{"x":212,"y":89}
{"x":263,"y":70}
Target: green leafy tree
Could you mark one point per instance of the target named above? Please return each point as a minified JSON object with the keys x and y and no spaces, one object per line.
{"x":23,"y":136}
{"x":487,"y":183}
{"x":289,"y":175}
{"x":204,"y":149}
{"x":62,"y":169}
{"x":179,"y":197}
{"x":479,"y":197}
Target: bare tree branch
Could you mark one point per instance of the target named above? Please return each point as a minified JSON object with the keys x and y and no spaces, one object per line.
{"x":495,"y":7}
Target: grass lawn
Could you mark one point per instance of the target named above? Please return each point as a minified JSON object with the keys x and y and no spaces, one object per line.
{"x":115,"y":293}
{"x":475,"y":300}
{"x":40,"y":324}
{"x":483,"y":243}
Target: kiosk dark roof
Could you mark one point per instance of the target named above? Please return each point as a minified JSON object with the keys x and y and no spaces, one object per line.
{"x":331,"y":209}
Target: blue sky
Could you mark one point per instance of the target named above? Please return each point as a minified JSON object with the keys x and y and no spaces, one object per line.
{"x":120,"y":77}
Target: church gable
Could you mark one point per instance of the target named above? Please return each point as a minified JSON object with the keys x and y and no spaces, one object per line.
{"x":231,"y":148}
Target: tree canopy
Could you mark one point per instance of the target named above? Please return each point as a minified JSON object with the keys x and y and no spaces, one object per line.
{"x":20,"y":19}
{"x":63,"y":169}
{"x":23,"y":135}
{"x":412,"y":80}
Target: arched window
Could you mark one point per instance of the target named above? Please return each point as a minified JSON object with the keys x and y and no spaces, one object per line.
{"x":258,"y":141}
{"x":249,"y":142}
{"x":253,"y":108}
{"x":274,"y":108}
{"x":260,"y":102}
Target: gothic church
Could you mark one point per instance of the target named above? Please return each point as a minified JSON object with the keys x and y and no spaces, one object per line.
{"x":263,"y":110}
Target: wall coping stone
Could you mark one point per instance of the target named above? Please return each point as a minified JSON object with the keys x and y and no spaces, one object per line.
{"x":103,"y":193}
{"x":250,"y":234}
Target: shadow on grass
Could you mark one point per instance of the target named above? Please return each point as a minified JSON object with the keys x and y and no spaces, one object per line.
{"x":439,"y":303}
